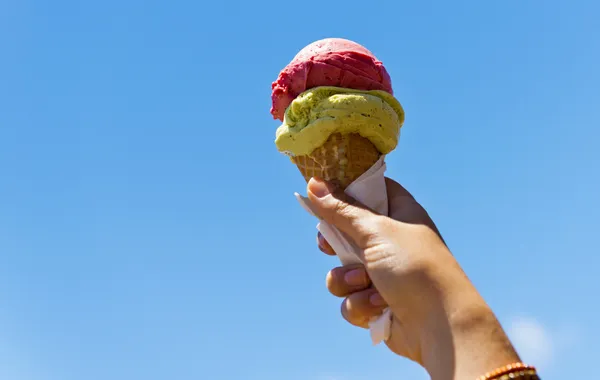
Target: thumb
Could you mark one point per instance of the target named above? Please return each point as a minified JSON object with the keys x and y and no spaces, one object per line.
{"x":342,"y":211}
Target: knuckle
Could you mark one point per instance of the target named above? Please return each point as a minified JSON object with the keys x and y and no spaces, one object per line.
{"x":372,"y":229}
{"x":383,"y":227}
{"x":379,"y":223}
{"x":342,"y":209}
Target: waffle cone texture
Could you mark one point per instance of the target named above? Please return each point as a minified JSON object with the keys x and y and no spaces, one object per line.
{"x":340,"y":160}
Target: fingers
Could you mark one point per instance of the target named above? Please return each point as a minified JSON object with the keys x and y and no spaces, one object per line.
{"x":394,"y":189}
{"x":358,"y":308}
{"x":324,"y":245}
{"x":341,"y":211}
{"x":362,"y":301}
{"x":403,"y":207}
{"x":343,"y":281}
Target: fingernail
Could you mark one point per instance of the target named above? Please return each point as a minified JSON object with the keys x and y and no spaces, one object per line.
{"x":320,"y":239}
{"x":323,"y":244}
{"x":355,"y":277}
{"x":318,"y":188}
{"x":377,"y":300}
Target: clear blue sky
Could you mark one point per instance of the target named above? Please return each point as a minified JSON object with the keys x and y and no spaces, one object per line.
{"x":147,"y":224}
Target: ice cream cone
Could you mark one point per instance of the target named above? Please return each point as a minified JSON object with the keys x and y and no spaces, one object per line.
{"x":340,"y":160}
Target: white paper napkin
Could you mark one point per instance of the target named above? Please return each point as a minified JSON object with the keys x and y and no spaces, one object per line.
{"x":370,"y":190}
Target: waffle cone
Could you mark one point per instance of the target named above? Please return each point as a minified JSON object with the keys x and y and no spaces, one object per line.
{"x":340,"y":160}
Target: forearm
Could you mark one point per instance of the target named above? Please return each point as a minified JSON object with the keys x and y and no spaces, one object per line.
{"x":465,"y":339}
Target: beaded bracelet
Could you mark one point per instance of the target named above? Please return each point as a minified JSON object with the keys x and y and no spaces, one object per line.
{"x":512,"y":371}
{"x":527,"y":374}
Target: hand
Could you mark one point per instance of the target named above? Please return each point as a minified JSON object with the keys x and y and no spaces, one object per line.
{"x":440,"y":320}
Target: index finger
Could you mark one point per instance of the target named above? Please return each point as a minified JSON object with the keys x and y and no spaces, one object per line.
{"x":403,"y":207}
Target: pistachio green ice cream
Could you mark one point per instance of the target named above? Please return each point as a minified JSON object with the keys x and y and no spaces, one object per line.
{"x":319,"y":112}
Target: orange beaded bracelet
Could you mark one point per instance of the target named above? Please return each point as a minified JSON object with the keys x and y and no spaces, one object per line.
{"x":520,"y":368}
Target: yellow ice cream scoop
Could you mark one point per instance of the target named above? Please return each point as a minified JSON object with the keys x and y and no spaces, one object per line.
{"x":320,"y":112}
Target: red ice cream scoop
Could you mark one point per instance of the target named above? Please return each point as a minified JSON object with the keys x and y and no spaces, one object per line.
{"x":329,"y":62}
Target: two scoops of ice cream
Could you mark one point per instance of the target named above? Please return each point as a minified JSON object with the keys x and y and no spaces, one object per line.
{"x":338,"y":112}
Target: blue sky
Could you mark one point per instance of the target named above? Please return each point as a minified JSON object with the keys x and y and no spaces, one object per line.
{"x":148,"y":228}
